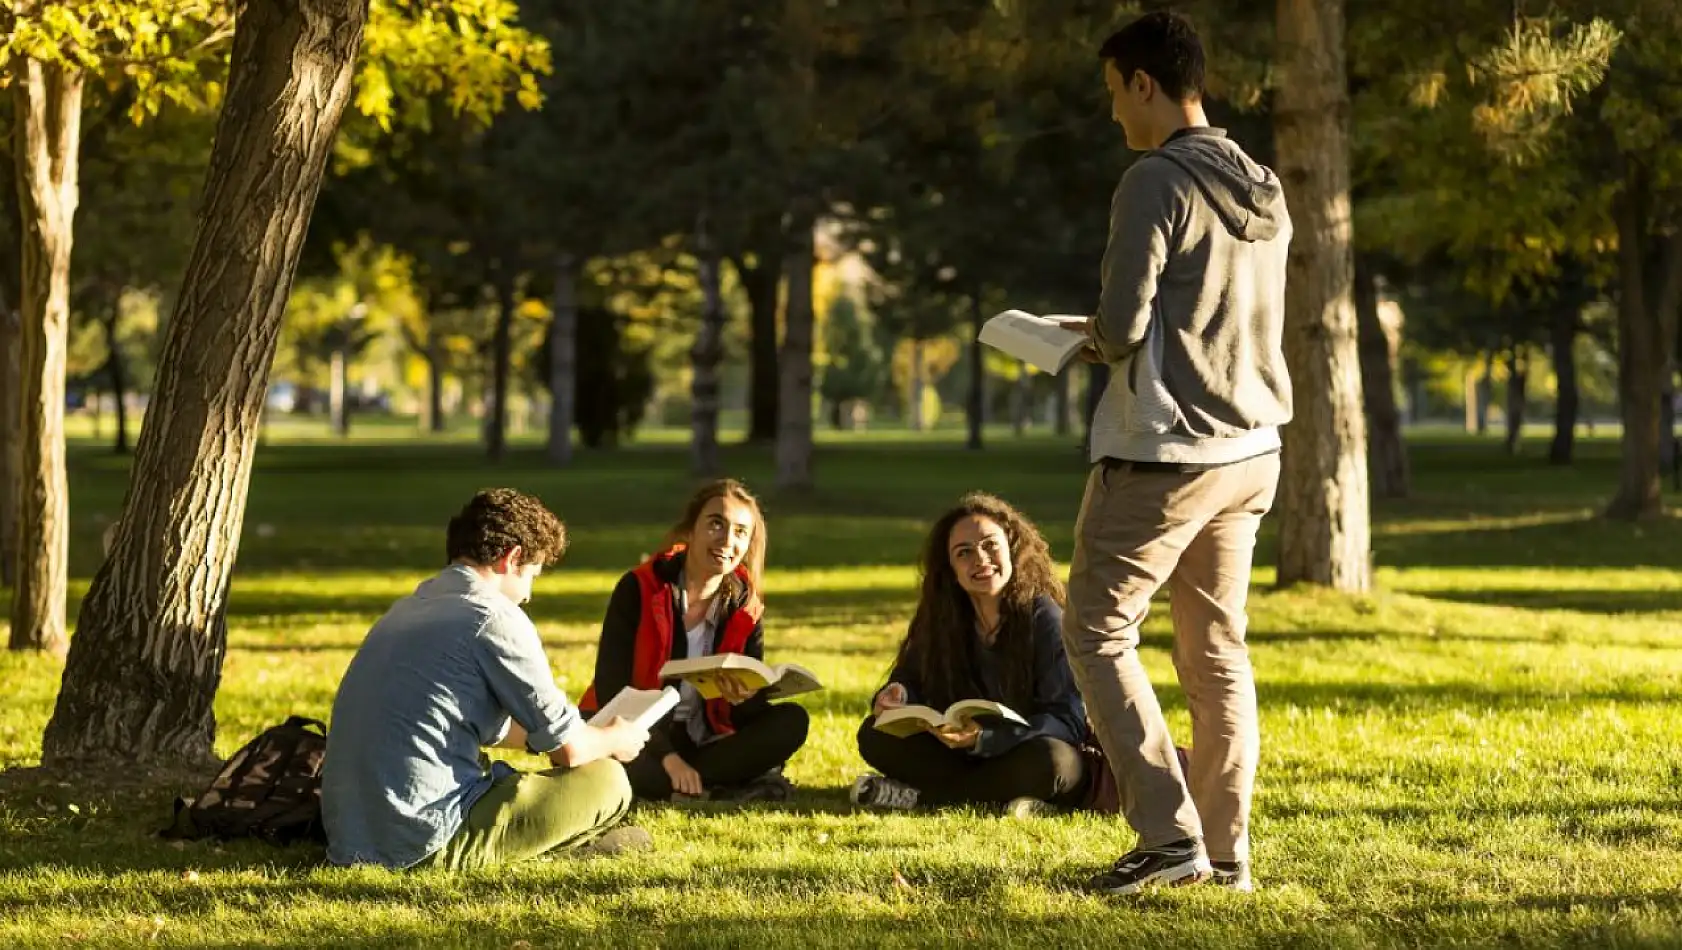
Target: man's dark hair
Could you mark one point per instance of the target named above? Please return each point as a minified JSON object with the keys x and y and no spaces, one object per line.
{"x":496,"y":520}
{"x":1165,"y":46}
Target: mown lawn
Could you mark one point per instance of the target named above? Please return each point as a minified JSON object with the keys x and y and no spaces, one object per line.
{"x":1482,"y":754}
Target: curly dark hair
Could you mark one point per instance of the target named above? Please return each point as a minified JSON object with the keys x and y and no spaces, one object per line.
{"x":941,"y":642}
{"x":498,"y":519}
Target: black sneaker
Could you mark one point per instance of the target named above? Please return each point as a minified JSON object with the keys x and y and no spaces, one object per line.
{"x":769,"y":787}
{"x":1178,"y":863}
{"x":1232,"y":875}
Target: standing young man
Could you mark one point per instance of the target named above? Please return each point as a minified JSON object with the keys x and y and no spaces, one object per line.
{"x":453,"y":667}
{"x":1185,"y":452}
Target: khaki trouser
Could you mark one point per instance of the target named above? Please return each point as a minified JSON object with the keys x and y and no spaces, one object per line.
{"x":1137,"y":531}
{"x":527,"y":814}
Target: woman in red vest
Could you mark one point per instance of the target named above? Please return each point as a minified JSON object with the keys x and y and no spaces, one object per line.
{"x":699,"y":597}
{"x":986,"y":627}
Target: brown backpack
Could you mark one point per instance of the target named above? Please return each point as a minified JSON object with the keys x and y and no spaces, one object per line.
{"x":270,"y":789}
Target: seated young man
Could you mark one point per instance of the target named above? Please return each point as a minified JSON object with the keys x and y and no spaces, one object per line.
{"x":454,"y":667}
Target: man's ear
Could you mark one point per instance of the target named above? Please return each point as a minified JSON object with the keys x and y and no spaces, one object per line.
{"x":511,"y":560}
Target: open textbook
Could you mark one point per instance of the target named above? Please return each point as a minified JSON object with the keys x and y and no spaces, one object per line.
{"x":909,"y":720}
{"x":1044,"y":342}
{"x":784,"y":679}
{"x":642,"y":706}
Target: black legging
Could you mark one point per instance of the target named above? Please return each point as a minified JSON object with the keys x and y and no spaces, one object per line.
{"x":1041,"y":767}
{"x":757,"y":746}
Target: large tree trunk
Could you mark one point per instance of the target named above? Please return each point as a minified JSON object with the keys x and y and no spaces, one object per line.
{"x":1324,"y":534}
{"x":1649,"y":285}
{"x":1021,"y":405}
{"x":119,"y":378}
{"x":47,"y":121}
{"x":147,"y":657}
{"x":1562,"y":344}
{"x":9,"y":388}
{"x":794,"y":404}
{"x":1387,"y":456}
{"x":496,"y":415}
{"x":11,"y":268}
{"x":1518,"y":377}
{"x":563,"y":360}
{"x":761,"y":282}
{"x":704,"y":357}
{"x":977,"y":402}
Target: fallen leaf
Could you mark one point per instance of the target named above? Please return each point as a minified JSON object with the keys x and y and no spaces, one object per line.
{"x":521,"y":945}
{"x":178,"y":845}
{"x":190,"y":876}
{"x":900,"y":881}
{"x":823,"y":837}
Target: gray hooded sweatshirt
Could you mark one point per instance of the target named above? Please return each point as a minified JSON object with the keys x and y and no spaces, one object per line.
{"x":1192,"y":310}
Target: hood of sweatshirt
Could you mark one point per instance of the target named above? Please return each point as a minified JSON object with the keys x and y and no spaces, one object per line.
{"x":1246,"y":196}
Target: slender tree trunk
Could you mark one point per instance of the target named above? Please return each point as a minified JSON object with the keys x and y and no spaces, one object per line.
{"x":119,"y":378}
{"x":434,"y":387}
{"x":1563,"y":344}
{"x":563,"y":360}
{"x":1324,"y":535}
{"x":47,"y":122}
{"x":704,"y":358}
{"x":338,"y":386}
{"x":794,"y":406}
{"x":1646,"y":305}
{"x":1486,"y":391}
{"x":496,"y":415}
{"x":761,"y":282}
{"x":1518,"y":376}
{"x":1387,"y":457}
{"x":914,"y":409}
{"x":9,"y":388}
{"x":977,"y":402}
{"x":147,"y":657}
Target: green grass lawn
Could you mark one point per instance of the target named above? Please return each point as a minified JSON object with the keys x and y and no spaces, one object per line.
{"x":1482,"y":754}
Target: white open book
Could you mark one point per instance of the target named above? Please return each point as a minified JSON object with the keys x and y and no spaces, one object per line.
{"x":784,"y":679}
{"x":1044,"y":342}
{"x":910,"y":720}
{"x":644,"y":707}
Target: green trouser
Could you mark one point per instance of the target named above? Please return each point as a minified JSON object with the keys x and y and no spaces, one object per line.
{"x":527,"y":814}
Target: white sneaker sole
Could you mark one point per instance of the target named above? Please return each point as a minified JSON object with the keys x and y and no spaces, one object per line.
{"x":1193,"y":871}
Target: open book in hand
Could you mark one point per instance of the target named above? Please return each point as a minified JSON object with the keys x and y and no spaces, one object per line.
{"x":910,"y":720}
{"x":1046,"y":343}
{"x":645,"y":707}
{"x":782,"y":680}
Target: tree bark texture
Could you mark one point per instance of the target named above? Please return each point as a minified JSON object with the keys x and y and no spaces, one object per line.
{"x":1325,"y":534}
{"x":977,"y":402}
{"x":147,"y":657}
{"x":47,"y":123}
{"x":1649,"y":288}
{"x":10,"y":387}
{"x":761,"y":282}
{"x":496,"y":418}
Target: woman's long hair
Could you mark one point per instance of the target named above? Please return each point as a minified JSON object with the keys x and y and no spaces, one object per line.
{"x":753,"y":562}
{"x":941,"y":644}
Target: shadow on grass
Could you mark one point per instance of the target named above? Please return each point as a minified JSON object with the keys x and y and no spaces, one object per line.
{"x":1588,"y":601}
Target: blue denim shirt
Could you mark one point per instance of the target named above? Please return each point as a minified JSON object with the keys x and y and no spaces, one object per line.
{"x":437,"y":678}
